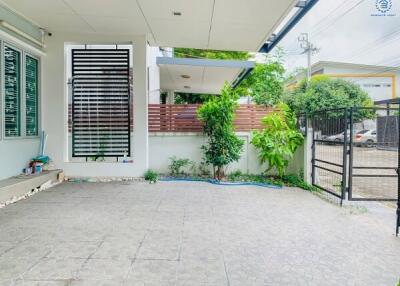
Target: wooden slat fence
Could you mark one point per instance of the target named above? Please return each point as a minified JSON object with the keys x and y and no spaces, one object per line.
{"x":183,"y":117}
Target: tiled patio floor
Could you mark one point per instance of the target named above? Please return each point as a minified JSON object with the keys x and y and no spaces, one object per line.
{"x":191,"y":234}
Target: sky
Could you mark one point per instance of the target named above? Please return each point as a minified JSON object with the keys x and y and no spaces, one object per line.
{"x":347,"y":31}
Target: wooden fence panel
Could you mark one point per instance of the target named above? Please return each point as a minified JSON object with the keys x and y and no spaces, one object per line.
{"x":183,"y":117}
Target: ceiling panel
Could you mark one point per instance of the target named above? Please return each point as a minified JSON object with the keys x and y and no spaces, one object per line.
{"x":193,"y":10}
{"x":254,"y":12}
{"x":237,"y":37}
{"x":65,"y":23}
{"x":236,"y":23}
{"x":177,"y":33}
{"x":213,"y":24}
{"x":109,"y":8}
{"x":38,"y":7}
{"x":113,"y":25}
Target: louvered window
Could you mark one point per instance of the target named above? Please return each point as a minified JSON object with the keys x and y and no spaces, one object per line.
{"x":12,"y":92}
{"x":31,"y":95}
{"x":100,"y":103}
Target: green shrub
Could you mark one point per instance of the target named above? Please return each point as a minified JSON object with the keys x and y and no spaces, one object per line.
{"x":223,"y":146}
{"x":323,"y":92}
{"x":180,"y":166}
{"x":279,"y":139}
{"x":204,"y":169}
{"x":151,"y":176}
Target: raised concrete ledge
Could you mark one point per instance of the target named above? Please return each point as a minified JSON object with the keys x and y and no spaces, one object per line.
{"x":21,"y":185}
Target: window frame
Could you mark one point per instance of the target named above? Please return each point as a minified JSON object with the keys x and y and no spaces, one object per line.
{"x":23,"y":53}
{"x":39,"y":89}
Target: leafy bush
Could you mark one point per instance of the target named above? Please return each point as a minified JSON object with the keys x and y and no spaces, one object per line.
{"x":178,"y":166}
{"x":204,"y":169}
{"x":323,"y":92}
{"x":286,"y":180}
{"x":279,"y":139}
{"x":239,"y":177}
{"x":223,"y":146}
{"x":265,"y":82}
{"x":151,"y":176}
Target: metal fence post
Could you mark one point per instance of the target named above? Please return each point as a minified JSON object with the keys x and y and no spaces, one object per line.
{"x":398,"y":173}
{"x":344,"y":174}
{"x":350,"y":187}
{"x":313,"y":152}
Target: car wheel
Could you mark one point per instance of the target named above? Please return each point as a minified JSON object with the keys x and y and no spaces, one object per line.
{"x":369,"y":143}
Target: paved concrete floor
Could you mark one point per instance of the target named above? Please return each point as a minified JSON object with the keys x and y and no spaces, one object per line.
{"x":191,"y":234}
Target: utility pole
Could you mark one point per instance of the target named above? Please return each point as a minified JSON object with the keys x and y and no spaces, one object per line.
{"x":309,"y":49}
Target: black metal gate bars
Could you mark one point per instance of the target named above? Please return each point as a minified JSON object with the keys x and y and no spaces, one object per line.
{"x":356,"y":154}
{"x":100,"y":103}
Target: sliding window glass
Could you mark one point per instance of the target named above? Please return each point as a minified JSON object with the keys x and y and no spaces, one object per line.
{"x":12,"y":92}
{"x":31,"y":95}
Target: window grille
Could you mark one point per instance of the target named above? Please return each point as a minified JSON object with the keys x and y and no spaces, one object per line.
{"x":12,"y":92}
{"x":32,"y":95}
{"x":100,"y":103}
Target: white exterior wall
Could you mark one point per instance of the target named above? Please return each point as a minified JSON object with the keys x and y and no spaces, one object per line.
{"x":376,"y":93}
{"x":15,"y":153}
{"x":55,"y":107}
{"x":188,"y":145}
{"x":153,"y":74}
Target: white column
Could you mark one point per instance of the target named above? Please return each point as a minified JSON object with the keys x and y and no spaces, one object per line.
{"x":308,"y":154}
{"x":140,"y":108}
{"x":171,"y":97}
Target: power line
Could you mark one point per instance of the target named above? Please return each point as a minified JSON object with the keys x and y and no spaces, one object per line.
{"x":329,"y":25}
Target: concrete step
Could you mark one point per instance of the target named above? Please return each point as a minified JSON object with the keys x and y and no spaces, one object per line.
{"x":23,"y":184}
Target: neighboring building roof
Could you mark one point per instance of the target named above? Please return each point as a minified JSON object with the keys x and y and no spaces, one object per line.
{"x":323,"y":64}
{"x":318,"y":68}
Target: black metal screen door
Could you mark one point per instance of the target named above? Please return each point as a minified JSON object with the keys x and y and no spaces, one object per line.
{"x":100,"y":103}
{"x":329,"y":151}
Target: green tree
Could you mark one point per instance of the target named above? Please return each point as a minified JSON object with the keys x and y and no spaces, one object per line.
{"x":265,"y":82}
{"x":279,"y":139}
{"x":323,"y":92}
{"x":223,"y":146}
{"x":191,"y":98}
{"x":210,"y":54}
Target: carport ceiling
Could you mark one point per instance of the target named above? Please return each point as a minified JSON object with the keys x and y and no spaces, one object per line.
{"x":198,"y":75}
{"x":206,"y":24}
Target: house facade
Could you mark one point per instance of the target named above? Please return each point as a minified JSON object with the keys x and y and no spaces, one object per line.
{"x":52,"y":48}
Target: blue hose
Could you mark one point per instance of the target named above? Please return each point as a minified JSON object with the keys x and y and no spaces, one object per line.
{"x":220,"y":183}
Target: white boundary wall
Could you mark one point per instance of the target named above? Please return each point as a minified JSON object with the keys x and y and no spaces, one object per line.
{"x":162,"y":146}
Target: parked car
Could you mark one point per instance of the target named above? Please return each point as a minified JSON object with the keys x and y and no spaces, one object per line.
{"x":365,"y":138}
{"x":338,"y":137}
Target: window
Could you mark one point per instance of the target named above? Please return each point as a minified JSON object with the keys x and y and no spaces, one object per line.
{"x":12,"y":92}
{"x":20,"y":93}
{"x":31,"y":95}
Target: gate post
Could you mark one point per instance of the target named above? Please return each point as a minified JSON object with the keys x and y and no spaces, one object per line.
{"x":312,"y":152}
{"x":398,"y":173}
{"x":308,"y":152}
{"x":345,"y":149}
